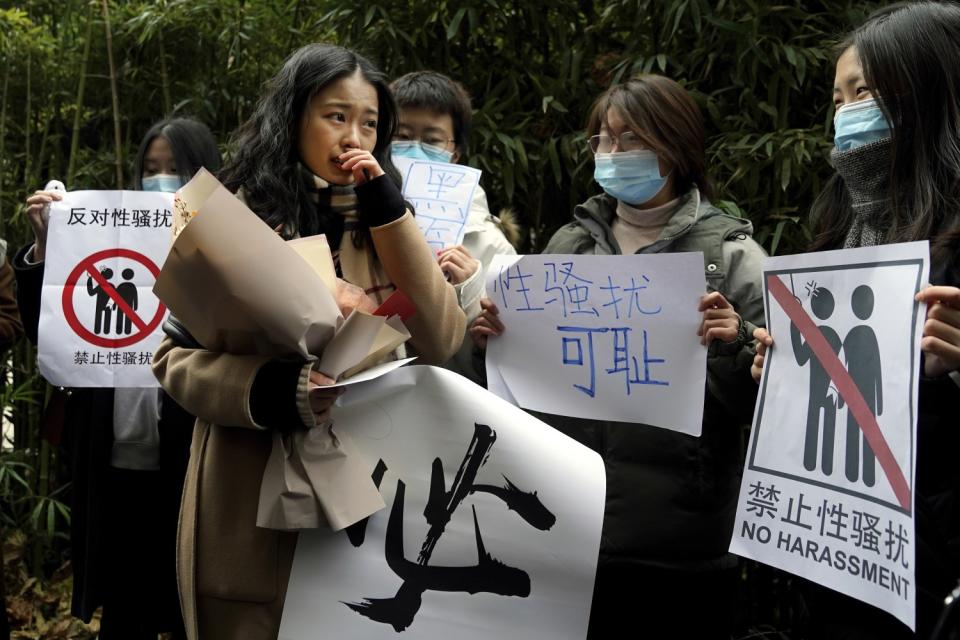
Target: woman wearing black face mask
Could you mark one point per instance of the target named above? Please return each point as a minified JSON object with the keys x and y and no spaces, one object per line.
{"x":128,"y":447}
{"x":897,"y":156}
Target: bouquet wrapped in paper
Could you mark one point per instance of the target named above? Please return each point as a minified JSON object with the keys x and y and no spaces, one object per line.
{"x":239,"y":288}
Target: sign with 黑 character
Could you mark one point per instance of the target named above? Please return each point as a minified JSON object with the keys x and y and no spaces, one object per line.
{"x":492,"y":526}
{"x":99,"y":319}
{"x":828,"y":483}
{"x":601,"y":337}
{"x":441,"y":193}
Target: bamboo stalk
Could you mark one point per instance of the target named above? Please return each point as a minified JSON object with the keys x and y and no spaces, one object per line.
{"x":118,"y":151}
{"x":26,"y":128}
{"x":3,"y":144}
{"x":165,"y":79}
{"x":44,"y":139}
{"x":81,"y":85}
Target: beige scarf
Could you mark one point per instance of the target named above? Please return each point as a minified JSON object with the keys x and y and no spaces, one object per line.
{"x":357,"y":266}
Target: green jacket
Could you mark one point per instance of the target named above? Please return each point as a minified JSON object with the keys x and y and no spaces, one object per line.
{"x":670,"y":496}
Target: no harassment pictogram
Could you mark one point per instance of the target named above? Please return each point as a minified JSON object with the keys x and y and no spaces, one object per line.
{"x":110,"y":294}
{"x":845,"y":386}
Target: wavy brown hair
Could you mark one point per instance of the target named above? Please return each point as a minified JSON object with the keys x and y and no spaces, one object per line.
{"x":667,"y":119}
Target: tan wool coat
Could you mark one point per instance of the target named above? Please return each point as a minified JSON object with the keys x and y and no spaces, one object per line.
{"x":233,"y":576}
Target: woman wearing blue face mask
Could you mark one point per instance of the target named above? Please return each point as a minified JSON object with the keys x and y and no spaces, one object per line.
{"x":897,"y":161}
{"x":670,"y":497}
{"x":128,"y":447}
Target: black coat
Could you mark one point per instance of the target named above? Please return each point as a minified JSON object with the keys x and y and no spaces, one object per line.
{"x":123,"y":523}
{"x":671,"y":497}
{"x":937,"y":514}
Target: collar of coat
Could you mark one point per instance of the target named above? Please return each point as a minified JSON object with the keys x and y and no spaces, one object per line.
{"x":596,"y":216}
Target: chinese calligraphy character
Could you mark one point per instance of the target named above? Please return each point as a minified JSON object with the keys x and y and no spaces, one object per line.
{"x":489,"y":575}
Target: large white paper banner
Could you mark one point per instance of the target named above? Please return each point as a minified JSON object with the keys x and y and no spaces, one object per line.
{"x":492,"y":526}
{"x":441,"y":193}
{"x":602,"y":337}
{"x":99,"y":319}
{"x":827,"y":488}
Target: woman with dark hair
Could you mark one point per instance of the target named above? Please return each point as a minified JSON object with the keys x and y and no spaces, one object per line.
{"x":897,"y":160}
{"x":268,"y":165}
{"x":171,"y":152}
{"x":313,"y":158}
{"x":128,"y":447}
{"x":664,"y":570}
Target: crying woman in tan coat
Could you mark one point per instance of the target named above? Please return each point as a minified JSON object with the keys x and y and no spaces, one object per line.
{"x":313,"y":158}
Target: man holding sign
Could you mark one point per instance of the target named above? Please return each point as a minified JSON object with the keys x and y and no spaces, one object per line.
{"x":435,"y":116}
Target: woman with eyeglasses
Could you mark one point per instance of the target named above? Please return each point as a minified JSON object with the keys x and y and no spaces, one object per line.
{"x":670,"y":497}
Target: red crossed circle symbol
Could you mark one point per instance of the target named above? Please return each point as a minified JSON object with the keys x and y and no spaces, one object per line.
{"x":88,"y":266}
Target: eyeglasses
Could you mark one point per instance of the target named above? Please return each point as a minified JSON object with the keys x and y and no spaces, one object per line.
{"x":626,"y":141}
{"x":435,"y":141}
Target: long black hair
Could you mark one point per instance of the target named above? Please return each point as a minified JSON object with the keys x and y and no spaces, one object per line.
{"x":265,"y":161}
{"x":910,"y":55}
{"x":191,"y":142}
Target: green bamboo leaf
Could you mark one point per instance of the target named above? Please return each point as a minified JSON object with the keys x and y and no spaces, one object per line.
{"x":679,"y":16}
{"x":695,"y":12}
{"x":64,"y":511}
{"x":554,"y":162}
{"x":454,"y":25}
{"x":508,"y":181}
{"x":790,"y":54}
{"x":785,"y":174}
{"x":507,"y":145}
{"x":521,"y":153}
{"x":777,"y":234}
{"x":368,"y":16}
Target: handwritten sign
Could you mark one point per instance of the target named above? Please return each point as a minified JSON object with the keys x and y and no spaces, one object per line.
{"x":482,"y":501}
{"x":827,"y":489}
{"x":602,"y":337}
{"x":99,"y":318}
{"x":441,"y":193}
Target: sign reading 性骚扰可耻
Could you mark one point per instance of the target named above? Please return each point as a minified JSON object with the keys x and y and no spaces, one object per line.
{"x":601,"y":337}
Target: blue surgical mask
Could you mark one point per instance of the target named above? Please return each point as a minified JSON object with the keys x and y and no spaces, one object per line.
{"x":629,"y":176}
{"x":859,"y":123}
{"x":166,"y":182}
{"x":416,"y":150}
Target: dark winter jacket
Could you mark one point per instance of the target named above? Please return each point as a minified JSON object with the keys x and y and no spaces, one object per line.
{"x":670,"y":496}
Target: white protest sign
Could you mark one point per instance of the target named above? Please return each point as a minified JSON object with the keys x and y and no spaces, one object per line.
{"x":492,"y":526}
{"x":99,"y":319}
{"x":601,"y":337}
{"x":827,"y":488}
{"x":441,"y":193}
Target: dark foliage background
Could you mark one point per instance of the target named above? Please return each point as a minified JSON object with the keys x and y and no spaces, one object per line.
{"x":762,"y":73}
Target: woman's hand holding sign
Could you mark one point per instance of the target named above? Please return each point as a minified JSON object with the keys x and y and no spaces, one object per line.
{"x":941,"y":331}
